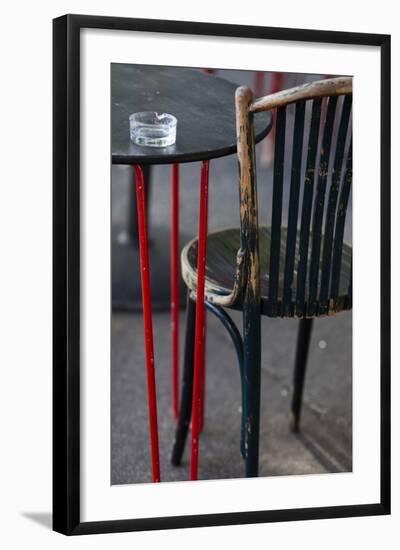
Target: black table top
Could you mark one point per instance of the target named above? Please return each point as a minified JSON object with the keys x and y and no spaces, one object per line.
{"x":203,"y":104}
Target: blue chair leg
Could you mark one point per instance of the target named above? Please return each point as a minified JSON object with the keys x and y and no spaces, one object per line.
{"x":185,"y":409}
{"x":251,"y":386}
{"x":303,"y":344}
{"x":236,"y":338}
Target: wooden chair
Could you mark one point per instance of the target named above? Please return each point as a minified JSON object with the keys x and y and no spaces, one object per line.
{"x":301,"y":268}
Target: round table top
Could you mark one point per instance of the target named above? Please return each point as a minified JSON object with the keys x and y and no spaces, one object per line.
{"x":203,"y":104}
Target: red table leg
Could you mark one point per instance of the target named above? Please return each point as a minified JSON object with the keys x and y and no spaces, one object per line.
{"x":175,"y":287}
{"x":259,"y":83}
{"x":203,"y":378}
{"x":200,"y":321}
{"x":147,"y":321}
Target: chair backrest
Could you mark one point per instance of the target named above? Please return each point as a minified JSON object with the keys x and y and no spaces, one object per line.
{"x":306,"y":255}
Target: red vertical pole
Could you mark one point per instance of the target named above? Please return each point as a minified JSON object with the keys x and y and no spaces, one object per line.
{"x":147,"y":322}
{"x":259,"y":83}
{"x":276,"y":82}
{"x":175,"y":288}
{"x":203,"y":378}
{"x":200,"y":321}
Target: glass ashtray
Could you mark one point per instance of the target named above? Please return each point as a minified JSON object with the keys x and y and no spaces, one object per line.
{"x":152,"y":129}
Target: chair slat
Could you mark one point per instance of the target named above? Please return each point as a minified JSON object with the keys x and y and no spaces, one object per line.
{"x":277,"y":209}
{"x":319,"y":206}
{"x":298,"y":134}
{"x":332,"y":203}
{"x":307,"y":206}
{"x":339,"y":231}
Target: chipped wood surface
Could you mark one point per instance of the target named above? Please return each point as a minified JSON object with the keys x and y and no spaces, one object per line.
{"x":329,"y":87}
{"x":248,"y":193}
{"x":249,"y":243}
{"x":214,"y":292}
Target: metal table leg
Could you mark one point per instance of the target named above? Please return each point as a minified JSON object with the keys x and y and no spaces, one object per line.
{"x":147,"y":322}
{"x":200,"y":321}
{"x":203,"y":378}
{"x":175,"y":289}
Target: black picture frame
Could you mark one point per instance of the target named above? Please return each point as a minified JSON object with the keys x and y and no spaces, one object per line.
{"x":66,"y":273}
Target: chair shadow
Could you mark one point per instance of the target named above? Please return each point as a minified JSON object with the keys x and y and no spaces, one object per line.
{"x":329,"y":458}
{"x":45,"y":519}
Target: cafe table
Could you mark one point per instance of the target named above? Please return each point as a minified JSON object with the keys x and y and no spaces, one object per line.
{"x":205,"y":109}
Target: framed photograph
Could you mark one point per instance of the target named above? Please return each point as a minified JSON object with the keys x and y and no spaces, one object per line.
{"x":221,"y":282}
